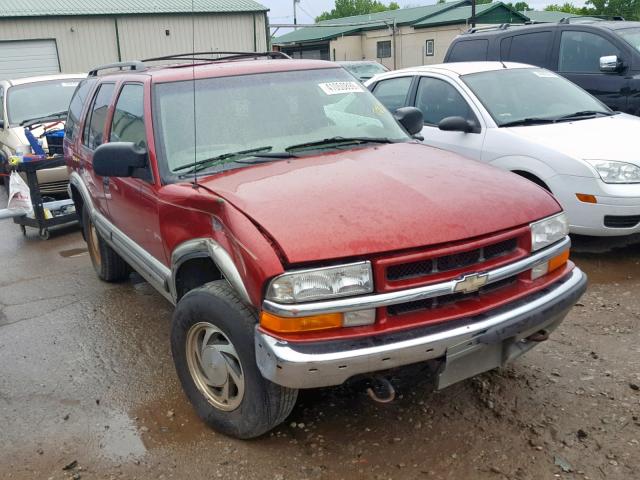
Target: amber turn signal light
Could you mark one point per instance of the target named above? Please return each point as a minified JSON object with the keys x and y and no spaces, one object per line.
{"x":586,"y":198}
{"x":558,"y":261}
{"x":274,"y":323}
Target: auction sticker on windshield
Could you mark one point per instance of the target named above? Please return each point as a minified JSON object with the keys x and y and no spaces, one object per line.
{"x":336,"y":88}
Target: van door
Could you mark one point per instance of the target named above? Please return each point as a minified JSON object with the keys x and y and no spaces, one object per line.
{"x":579,"y":55}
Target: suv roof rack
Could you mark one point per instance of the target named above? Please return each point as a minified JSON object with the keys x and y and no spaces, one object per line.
{"x":227,"y":56}
{"x":590,"y":18}
{"x":502,"y":26}
{"x":135,"y":65}
{"x":139,"y":65}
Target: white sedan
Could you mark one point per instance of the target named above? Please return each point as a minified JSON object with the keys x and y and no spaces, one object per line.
{"x":535,"y":123}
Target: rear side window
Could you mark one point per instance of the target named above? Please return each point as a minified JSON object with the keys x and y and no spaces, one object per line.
{"x":580,"y":52}
{"x":94,"y":126}
{"x":128,"y":116}
{"x":469,"y":50}
{"x":531,"y":48}
{"x":393,"y":93}
{"x":72,"y":125}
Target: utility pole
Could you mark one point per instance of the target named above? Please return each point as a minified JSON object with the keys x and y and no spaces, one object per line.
{"x":473,"y":13}
{"x":295,"y":13}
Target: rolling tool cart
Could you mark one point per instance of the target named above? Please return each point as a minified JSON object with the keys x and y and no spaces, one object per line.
{"x":46,"y":214}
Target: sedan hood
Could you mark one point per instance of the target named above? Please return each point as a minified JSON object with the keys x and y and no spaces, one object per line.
{"x":603,"y":138}
{"x":379,"y":199}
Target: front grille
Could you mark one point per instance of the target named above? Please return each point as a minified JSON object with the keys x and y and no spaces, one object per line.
{"x":455,"y":261}
{"x":621,"y":221}
{"x":431,"y":303}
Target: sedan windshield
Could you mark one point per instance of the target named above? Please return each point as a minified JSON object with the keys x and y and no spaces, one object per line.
{"x":364,"y":70}
{"x":39,"y":99}
{"x":631,"y":36}
{"x":529,"y":96}
{"x":265,"y":116}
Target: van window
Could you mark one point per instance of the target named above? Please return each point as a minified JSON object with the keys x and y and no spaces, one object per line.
{"x":531,"y":48}
{"x":580,"y":52}
{"x":393,"y":93}
{"x":94,"y":126}
{"x":72,"y":125}
{"x":128,"y":117}
{"x":438,"y":99}
{"x":469,"y":50}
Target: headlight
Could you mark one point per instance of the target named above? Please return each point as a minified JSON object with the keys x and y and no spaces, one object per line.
{"x":321,"y":283}
{"x":549,"y":230}
{"x":616,"y":172}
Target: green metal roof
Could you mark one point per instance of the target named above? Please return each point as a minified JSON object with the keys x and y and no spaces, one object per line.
{"x":542,"y":16}
{"x":485,"y":13}
{"x":36,"y":8}
{"x":402,"y":16}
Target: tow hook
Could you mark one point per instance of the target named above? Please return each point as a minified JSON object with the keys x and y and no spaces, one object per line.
{"x":381,"y":390}
{"x":539,"y":336}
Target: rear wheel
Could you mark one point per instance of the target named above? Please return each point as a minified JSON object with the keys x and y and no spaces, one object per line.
{"x":109,"y":266}
{"x":212,"y":340}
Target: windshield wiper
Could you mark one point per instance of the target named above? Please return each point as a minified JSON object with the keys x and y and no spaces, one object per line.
{"x":529,"y":121}
{"x":339,"y":141}
{"x":582,"y":114}
{"x":261,"y":152}
{"x":43,"y":118}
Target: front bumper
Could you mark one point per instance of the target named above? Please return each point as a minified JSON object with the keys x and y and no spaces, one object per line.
{"x":322,"y":364}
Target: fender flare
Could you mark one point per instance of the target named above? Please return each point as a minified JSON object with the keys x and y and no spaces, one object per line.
{"x":207,"y":248}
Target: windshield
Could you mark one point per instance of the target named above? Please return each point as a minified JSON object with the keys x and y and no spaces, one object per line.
{"x":364,"y":71}
{"x":631,"y":36}
{"x":514,"y":95}
{"x":39,"y":99}
{"x":267,"y":112}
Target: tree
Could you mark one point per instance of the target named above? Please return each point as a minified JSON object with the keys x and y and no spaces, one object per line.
{"x":348,"y":8}
{"x":629,"y":9}
{"x":566,"y":7}
{"x":520,"y":6}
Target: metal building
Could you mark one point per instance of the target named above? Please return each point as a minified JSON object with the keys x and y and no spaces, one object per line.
{"x":39,"y":37}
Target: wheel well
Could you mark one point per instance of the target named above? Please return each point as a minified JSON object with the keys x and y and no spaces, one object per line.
{"x":533,"y":178}
{"x":194,"y":273}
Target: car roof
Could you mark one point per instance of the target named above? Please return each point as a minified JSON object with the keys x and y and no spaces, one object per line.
{"x":46,"y":78}
{"x":463,"y":68}
{"x":185,"y":71}
{"x":508,"y":29}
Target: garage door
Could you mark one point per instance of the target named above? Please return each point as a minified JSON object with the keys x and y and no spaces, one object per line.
{"x":27,"y":58}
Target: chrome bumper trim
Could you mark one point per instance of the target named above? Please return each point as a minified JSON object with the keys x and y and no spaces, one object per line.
{"x":281,"y":363}
{"x":377,"y":300}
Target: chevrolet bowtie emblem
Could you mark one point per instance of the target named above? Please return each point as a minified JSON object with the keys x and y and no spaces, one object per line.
{"x":471,"y":283}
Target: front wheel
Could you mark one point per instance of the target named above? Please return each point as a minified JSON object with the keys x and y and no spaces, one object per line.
{"x":212,"y":340}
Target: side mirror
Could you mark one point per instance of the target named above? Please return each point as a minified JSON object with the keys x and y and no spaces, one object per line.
{"x":610,"y":63}
{"x":410,"y":118}
{"x":119,"y":159}
{"x":456,"y":124}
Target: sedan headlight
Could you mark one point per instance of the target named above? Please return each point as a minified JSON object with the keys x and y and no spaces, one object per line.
{"x":548,"y":230}
{"x":616,"y":172}
{"x":321,"y":283}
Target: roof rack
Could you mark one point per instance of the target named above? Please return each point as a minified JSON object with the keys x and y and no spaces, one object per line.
{"x":590,"y":18}
{"x":502,"y":26}
{"x":227,"y":56}
{"x":139,"y":65}
{"x":135,"y":65}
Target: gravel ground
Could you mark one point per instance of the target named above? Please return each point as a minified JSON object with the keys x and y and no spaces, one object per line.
{"x":88,"y":390}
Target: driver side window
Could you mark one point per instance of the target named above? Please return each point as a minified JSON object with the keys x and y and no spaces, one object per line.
{"x":438,"y":99}
{"x":128,"y":117}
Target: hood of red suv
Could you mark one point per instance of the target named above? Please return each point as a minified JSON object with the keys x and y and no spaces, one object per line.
{"x":379,"y":199}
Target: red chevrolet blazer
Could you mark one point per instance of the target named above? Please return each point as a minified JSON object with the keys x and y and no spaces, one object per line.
{"x":304,"y":236}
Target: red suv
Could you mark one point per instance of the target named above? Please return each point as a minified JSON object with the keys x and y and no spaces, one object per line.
{"x":302,"y":233}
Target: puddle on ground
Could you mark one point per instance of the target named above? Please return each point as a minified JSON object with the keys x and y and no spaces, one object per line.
{"x":120,"y":439}
{"x":74,"y":252}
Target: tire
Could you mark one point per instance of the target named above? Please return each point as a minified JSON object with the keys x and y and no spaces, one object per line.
{"x":109,"y":266}
{"x":213,"y":317}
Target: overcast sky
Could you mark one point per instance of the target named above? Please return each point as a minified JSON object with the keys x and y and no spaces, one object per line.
{"x":282,"y":10}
